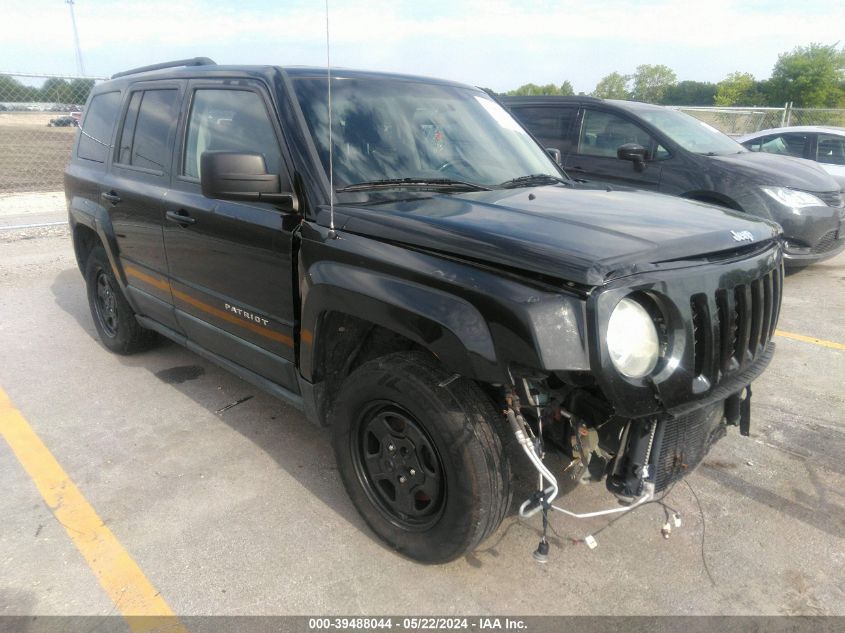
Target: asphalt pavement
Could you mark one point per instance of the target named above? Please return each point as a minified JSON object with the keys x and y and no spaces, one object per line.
{"x":240,"y":510}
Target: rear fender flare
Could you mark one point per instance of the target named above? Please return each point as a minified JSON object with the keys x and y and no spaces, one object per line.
{"x":95,"y":217}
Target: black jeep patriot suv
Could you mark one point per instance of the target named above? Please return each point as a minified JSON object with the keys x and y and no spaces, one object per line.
{"x":405,"y":263}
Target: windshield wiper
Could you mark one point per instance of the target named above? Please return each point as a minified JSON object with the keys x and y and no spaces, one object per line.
{"x":532,"y":180}
{"x":429,"y":184}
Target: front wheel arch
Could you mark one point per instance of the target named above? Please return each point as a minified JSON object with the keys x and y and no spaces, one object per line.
{"x":449,"y":328}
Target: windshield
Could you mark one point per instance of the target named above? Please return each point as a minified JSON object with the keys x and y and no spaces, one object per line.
{"x":393,"y":129}
{"x":690,"y":133}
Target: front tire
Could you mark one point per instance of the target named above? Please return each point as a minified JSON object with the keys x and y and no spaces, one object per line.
{"x":113,"y":317}
{"x":421,"y":457}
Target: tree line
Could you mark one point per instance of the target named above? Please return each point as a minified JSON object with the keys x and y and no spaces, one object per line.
{"x":808,"y":76}
{"x":54,"y":90}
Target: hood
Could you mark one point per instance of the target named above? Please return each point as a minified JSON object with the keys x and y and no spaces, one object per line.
{"x":837,"y":172}
{"x":584,"y":236}
{"x":772,"y":169}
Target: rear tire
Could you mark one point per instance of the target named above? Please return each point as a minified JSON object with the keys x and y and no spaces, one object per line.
{"x":113,"y":317}
{"x":423,"y":463}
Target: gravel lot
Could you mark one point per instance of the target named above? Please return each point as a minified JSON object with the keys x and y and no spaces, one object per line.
{"x":242,"y":511}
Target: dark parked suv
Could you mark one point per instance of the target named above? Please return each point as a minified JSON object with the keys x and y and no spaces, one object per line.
{"x":660,"y":149}
{"x":410,"y":267}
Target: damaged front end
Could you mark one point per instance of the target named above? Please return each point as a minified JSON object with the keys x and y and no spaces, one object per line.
{"x":640,"y":434}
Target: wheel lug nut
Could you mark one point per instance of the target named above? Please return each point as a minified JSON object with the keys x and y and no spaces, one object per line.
{"x":402,"y":479}
{"x":391,"y":447}
{"x":412,"y":472}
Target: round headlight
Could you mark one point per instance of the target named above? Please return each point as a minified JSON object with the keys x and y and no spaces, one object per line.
{"x":632,"y":339}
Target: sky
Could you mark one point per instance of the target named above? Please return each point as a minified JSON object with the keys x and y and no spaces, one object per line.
{"x":499,"y":44}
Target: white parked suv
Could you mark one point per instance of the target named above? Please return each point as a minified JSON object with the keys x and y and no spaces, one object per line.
{"x":825,"y":145}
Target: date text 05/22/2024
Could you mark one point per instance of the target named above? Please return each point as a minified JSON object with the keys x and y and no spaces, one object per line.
{"x":417,"y":624}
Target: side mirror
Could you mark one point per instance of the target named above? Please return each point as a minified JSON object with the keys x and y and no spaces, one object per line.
{"x":635,"y":153}
{"x":554,"y":152}
{"x":241,"y":176}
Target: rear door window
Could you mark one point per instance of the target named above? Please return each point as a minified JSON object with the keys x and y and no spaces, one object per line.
{"x":125,"y":147}
{"x":96,"y":132}
{"x":150,"y":119}
{"x":550,"y":125}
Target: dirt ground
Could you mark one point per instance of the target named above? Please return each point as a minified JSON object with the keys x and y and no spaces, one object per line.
{"x":33,"y":155}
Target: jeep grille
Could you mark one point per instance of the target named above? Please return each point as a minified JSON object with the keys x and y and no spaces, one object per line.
{"x":733,"y":328}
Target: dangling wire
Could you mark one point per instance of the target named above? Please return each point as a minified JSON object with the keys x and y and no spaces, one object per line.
{"x":703,"y":532}
{"x":331,"y":143}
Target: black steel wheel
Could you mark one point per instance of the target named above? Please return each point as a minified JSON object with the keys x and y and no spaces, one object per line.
{"x":106,"y":308}
{"x":423,"y":463}
{"x":113,"y":316}
{"x":399,"y":468}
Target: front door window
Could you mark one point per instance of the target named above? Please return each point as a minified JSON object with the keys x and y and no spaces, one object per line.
{"x":232,"y":120}
{"x":602,"y":133}
{"x":786,"y":144}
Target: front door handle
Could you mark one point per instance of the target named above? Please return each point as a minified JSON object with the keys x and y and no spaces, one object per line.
{"x":111,"y":196}
{"x":575,"y":168}
{"x":180,"y":217}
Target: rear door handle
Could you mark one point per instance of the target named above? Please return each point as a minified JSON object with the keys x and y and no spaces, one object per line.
{"x":180,"y":217}
{"x":111,"y":196}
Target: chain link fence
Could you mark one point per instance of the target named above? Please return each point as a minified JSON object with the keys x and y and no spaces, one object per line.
{"x":739,"y":121}
{"x":39,"y":115}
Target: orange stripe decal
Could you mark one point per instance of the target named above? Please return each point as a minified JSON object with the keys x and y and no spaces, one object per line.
{"x":231,"y":318}
{"x":201,"y":305}
{"x":161,"y":284}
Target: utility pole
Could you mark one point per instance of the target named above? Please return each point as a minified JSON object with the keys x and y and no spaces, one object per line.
{"x":80,"y":68}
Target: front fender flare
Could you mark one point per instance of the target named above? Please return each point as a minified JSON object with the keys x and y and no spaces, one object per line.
{"x":448,"y":326}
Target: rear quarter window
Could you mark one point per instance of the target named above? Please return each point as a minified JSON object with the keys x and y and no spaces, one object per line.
{"x":97,"y":127}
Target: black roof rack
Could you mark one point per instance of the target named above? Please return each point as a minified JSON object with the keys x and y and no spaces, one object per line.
{"x":194,"y":61}
{"x":551,"y":98}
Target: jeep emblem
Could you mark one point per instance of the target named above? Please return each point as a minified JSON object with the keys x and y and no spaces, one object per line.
{"x":741,"y":236}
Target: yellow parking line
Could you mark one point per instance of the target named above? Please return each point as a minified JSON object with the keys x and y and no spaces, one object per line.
{"x":810,"y":339}
{"x":133,"y":595}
